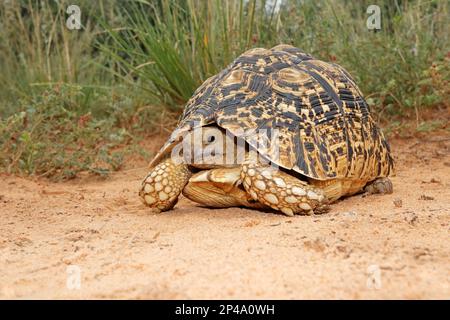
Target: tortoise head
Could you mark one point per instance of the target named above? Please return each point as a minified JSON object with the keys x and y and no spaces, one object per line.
{"x":209,"y":147}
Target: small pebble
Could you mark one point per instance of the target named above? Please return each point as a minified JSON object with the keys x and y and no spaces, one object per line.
{"x":350,"y":214}
{"x":411,"y":217}
{"x":398,"y":203}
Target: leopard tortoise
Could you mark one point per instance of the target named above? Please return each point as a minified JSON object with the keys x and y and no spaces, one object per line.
{"x":328,"y":144}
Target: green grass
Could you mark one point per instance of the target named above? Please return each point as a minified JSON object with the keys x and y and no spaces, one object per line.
{"x":48,"y":138}
{"x":78,"y":100}
{"x":37,"y":51}
{"x":182,"y":45}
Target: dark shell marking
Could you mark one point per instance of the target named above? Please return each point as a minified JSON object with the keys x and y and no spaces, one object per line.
{"x":326,"y":130}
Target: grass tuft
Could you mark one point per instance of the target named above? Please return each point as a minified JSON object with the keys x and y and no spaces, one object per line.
{"x":48,"y":138}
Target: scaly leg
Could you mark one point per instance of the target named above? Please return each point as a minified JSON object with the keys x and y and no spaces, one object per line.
{"x":380,"y":186}
{"x":163,"y":184}
{"x":281,"y":191}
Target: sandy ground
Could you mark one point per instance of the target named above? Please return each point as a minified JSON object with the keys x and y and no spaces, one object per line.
{"x":93,"y":238}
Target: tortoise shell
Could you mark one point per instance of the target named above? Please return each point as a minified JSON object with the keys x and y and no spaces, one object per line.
{"x":325,"y":127}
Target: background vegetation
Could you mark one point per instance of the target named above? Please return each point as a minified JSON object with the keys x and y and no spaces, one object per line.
{"x":79,"y":100}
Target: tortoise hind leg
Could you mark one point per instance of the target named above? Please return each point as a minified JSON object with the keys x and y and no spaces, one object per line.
{"x":281,"y":191}
{"x":163,"y":184}
{"x":379,"y":186}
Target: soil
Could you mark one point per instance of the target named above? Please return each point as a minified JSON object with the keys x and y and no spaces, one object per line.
{"x":92,"y":238}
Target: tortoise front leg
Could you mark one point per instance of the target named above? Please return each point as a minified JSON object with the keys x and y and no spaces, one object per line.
{"x":163,"y":184}
{"x":281,"y":191}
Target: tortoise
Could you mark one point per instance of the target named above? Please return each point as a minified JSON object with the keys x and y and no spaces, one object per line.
{"x":327,"y":147}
